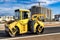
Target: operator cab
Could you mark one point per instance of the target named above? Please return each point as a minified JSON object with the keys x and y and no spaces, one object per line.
{"x":21,"y":14}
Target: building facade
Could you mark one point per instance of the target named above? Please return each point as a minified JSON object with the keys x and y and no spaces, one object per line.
{"x":42,"y":10}
{"x":6,"y":18}
{"x":57,"y":17}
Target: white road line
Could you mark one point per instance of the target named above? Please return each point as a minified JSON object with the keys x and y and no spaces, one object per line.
{"x":53,"y":26}
{"x":30,"y":36}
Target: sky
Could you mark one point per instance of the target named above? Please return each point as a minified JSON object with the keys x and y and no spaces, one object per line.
{"x":7,"y":7}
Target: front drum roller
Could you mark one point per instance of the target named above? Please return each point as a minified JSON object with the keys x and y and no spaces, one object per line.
{"x":9,"y":33}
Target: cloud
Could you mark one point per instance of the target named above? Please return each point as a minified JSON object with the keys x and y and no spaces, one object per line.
{"x":9,"y":6}
{"x":11,"y":9}
{"x":48,"y":1}
{"x":7,"y":11}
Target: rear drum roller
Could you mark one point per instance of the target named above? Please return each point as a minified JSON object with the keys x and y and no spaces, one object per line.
{"x":39,"y":29}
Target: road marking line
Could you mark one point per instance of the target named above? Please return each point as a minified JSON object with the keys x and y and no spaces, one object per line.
{"x":30,"y":36}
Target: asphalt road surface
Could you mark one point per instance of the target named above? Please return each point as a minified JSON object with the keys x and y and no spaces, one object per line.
{"x":47,"y":30}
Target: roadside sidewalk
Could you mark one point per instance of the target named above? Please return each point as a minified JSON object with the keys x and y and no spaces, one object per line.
{"x":52,"y":24}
